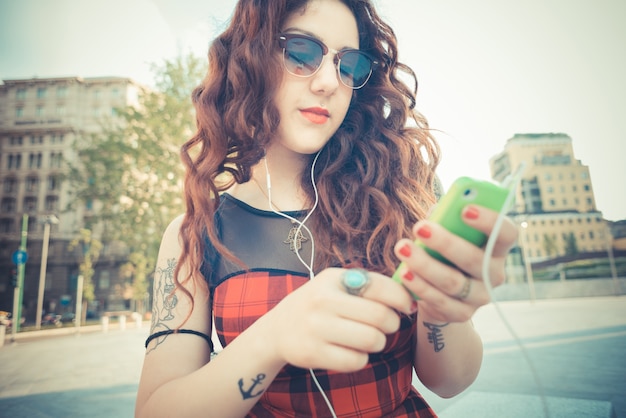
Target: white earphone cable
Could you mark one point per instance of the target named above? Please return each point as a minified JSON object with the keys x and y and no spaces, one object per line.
{"x":309,"y":266}
{"x":510,"y":183}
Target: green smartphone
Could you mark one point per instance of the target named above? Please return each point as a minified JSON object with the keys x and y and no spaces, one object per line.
{"x":447,"y":213}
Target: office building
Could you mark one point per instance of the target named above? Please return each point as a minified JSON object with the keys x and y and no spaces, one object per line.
{"x":555,"y":202}
{"x":41,"y":120}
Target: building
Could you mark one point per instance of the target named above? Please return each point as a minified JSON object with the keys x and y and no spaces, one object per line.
{"x":555,"y":203}
{"x":40,"y":120}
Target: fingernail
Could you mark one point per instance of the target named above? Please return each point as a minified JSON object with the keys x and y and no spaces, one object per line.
{"x":408,"y":276}
{"x":405,"y":250}
{"x":471,"y":213}
{"x":414,"y":307}
{"x":424,"y":232}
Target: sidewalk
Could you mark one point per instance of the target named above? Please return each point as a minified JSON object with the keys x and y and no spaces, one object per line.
{"x":577,"y":347}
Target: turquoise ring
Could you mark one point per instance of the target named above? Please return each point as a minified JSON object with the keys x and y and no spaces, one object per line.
{"x":355,"y":281}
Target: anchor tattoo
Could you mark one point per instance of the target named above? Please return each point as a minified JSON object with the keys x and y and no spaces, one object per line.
{"x":247,"y":394}
{"x":435,"y":336}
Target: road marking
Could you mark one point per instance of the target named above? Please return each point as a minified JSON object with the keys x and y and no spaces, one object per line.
{"x":512,"y":345}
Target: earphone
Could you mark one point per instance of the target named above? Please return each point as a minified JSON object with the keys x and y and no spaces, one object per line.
{"x":510,"y":182}
{"x":309,"y":266}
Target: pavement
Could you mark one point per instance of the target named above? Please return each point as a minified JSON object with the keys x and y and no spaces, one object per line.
{"x":571,"y":363}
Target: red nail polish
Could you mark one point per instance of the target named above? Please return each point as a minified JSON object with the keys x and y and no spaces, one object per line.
{"x":405,"y":250}
{"x":471,"y":213}
{"x":424,"y":232}
{"x":408,"y":276}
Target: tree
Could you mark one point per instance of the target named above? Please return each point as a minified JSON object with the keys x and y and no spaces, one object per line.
{"x":549,"y":245}
{"x":130,"y":172}
{"x":137,"y":269}
{"x":571,"y":246}
{"x":90,"y":249}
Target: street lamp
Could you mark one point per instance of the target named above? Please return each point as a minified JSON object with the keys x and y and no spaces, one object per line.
{"x":529,"y":269}
{"x":47,"y":221}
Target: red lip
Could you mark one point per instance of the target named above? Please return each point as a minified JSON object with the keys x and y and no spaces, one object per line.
{"x":316,"y":115}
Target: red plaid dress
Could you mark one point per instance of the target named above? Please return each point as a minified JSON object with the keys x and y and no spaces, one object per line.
{"x":382,"y":389}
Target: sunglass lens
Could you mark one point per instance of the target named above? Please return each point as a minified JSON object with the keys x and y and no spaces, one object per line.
{"x":355,"y":69}
{"x":302,"y":56}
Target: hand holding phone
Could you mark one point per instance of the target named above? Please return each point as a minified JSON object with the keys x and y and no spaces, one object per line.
{"x":447,"y":213}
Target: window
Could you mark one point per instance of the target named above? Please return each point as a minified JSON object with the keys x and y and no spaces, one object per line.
{"x":16,"y":140}
{"x":7,"y":205}
{"x":7,"y":225}
{"x":552,"y":202}
{"x":36,"y":139}
{"x":41,"y":92}
{"x":56,"y":158}
{"x":10,"y":185}
{"x":40,"y":111}
{"x":57,"y":138}
{"x":20,"y":94}
{"x":53,"y":183}
{"x":52,"y":203}
{"x":60,"y":110}
{"x":30,"y":204}
{"x":587,"y":187}
{"x":15,"y":161}
{"x":34,"y":160}
{"x":584,"y":175}
{"x":32,"y":184}
{"x":591,"y":235}
{"x":19,"y":112}
{"x":547,"y":176}
{"x":61,"y":92}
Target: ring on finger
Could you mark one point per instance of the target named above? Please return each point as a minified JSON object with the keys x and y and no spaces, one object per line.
{"x":465,"y":291}
{"x":355,"y":281}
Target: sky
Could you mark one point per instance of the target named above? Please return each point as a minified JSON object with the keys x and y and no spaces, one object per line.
{"x":487,"y":69}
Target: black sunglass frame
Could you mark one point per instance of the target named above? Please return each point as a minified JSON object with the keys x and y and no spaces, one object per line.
{"x":283,"y":38}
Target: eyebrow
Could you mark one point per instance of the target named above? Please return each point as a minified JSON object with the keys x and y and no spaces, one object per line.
{"x":312,"y":35}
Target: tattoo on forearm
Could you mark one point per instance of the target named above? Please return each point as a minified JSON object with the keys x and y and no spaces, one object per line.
{"x":249,"y":393}
{"x":435,"y":335}
{"x":164,"y":300}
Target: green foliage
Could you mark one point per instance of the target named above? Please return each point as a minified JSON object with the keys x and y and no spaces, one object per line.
{"x":90,"y":249}
{"x":549,"y":245}
{"x":129,"y":175}
{"x":571,"y":246}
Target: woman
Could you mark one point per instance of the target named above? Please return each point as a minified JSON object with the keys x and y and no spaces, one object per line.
{"x":304,"y":168}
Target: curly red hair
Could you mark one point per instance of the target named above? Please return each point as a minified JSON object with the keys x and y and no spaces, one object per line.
{"x":375,"y":176}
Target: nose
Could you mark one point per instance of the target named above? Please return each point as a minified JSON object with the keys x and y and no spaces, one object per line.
{"x":326,"y":79}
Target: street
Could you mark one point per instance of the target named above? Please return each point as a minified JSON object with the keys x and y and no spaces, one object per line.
{"x":577,"y":347}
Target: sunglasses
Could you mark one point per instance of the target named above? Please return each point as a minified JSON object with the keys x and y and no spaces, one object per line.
{"x":303,"y":56}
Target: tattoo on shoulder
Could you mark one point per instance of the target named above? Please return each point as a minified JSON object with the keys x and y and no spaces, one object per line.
{"x":250,"y":392}
{"x":164,"y":300}
{"x":435,"y":335}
